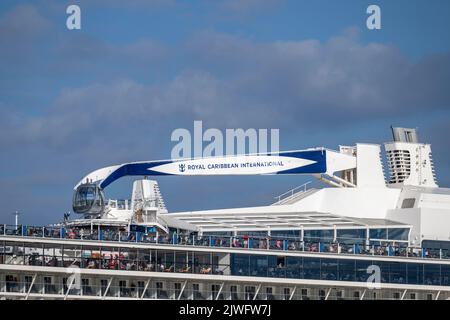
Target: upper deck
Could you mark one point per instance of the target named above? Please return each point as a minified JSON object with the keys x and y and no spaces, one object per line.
{"x":49,"y":254}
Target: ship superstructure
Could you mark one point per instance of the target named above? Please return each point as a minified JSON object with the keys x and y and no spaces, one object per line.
{"x":363,"y":237}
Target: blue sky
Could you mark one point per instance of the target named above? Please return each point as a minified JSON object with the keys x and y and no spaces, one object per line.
{"x":73,"y":101}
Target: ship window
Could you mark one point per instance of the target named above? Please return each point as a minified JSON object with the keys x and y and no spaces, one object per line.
{"x":141,"y":287}
{"x":318,"y":235}
{"x":361,"y":267}
{"x":322,"y":294}
{"x":249,"y":292}
{"x":305,"y":294}
{"x":47,"y":284}
{"x":103,"y":286}
{"x":286,"y":233}
{"x":65,"y":285}
{"x":398,"y":234}
{"x":346,"y":270}
{"x":86,"y":289}
{"x":329,"y":269}
{"x":123,"y":292}
{"x":287,"y":293}
{"x":396,"y":273}
{"x":11,"y":283}
{"x":351,"y":236}
{"x":258,"y":265}
{"x":88,"y":198}
{"x":432,"y":274}
{"x":415,"y":273}
{"x":28,"y":280}
{"x":311,"y":267}
{"x":234,"y":293}
{"x":445,"y":275}
{"x":280,"y":262}
{"x":240,"y":265}
{"x":177,"y":287}
{"x":408,"y":203}
{"x":218,"y":234}
{"x":252,"y":233}
{"x":294,"y":267}
{"x":378,"y":234}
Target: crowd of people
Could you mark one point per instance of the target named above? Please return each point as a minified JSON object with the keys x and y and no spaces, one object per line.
{"x":355,"y":246}
{"x":120,"y":261}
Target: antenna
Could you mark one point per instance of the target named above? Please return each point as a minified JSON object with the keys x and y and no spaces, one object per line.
{"x":16,"y":214}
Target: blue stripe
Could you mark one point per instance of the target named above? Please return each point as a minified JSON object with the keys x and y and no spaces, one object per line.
{"x":144,"y":168}
{"x":134,"y":169}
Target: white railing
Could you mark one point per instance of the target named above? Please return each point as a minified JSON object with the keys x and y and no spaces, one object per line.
{"x":288,"y":195}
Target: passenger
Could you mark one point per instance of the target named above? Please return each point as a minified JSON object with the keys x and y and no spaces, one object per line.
{"x":71,"y":234}
{"x":261,"y":244}
{"x":278,"y":244}
{"x":91,"y":264}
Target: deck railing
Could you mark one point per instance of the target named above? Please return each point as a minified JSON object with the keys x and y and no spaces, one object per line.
{"x":139,"y":289}
{"x":353,"y":246}
{"x":288,"y":195}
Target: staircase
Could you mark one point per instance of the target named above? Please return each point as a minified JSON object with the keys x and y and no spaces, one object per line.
{"x":159,"y":197}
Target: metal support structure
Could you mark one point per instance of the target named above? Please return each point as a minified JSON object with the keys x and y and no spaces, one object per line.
{"x":328,"y":294}
{"x":404,"y":294}
{"x":327,"y":181}
{"x":107,"y":288}
{"x":182,"y":290}
{"x":342,"y":181}
{"x":69,"y":287}
{"x":292,"y":293}
{"x":363,"y":294}
{"x":437,"y":295}
{"x":220,"y":291}
{"x":31,"y":286}
{"x":145,"y":288}
{"x":257,"y":291}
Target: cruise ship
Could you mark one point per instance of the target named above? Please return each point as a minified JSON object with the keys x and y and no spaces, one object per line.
{"x":371,"y":232}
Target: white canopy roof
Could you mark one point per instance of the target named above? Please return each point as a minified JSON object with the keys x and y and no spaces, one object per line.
{"x":227,"y":220}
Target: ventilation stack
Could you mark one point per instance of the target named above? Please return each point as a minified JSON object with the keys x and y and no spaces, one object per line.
{"x":409,"y":162}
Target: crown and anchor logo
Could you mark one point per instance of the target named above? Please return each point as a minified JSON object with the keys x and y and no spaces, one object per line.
{"x":182,"y":167}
